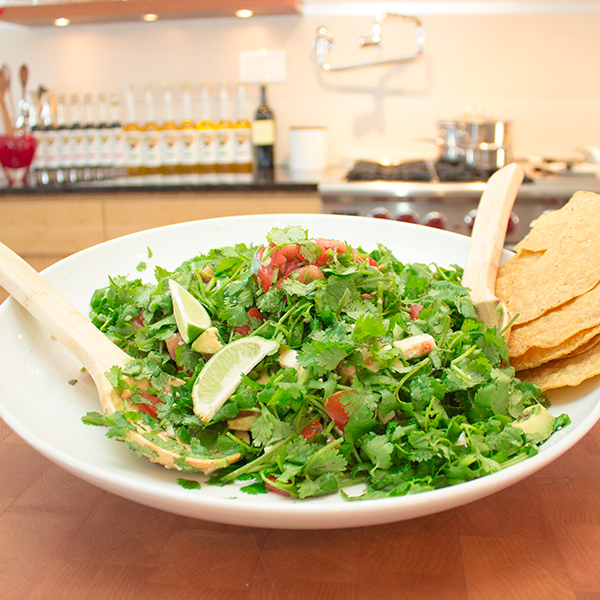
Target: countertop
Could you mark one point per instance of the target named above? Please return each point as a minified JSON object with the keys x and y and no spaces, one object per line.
{"x":62,"y":538}
{"x":282,"y":181}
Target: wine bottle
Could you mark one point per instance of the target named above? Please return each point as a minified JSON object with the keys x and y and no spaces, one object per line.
{"x":169,"y":136}
{"x":206,"y":164}
{"x":77,"y":141}
{"x":225,"y":139}
{"x":90,"y":139}
{"x":117,"y":139}
{"x":243,"y":143}
{"x":263,"y":137}
{"x":104,"y":140}
{"x":150,"y":136}
{"x":188,"y":136}
{"x":133,"y":136}
{"x":63,"y":141}
{"x":49,"y":142}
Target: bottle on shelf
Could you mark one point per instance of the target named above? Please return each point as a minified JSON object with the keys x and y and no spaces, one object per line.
{"x":150,"y":136}
{"x":188,"y":136}
{"x":132,"y":134}
{"x":37,"y":164}
{"x":225,"y":139}
{"x":90,"y":138}
{"x":263,"y":137}
{"x":63,"y":141}
{"x":104,"y":140}
{"x":117,"y":139}
{"x":169,"y":136}
{"x":207,"y":141}
{"x":49,"y":144}
{"x":242,"y":139}
{"x":76,"y":135}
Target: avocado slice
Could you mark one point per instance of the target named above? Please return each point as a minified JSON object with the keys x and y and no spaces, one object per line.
{"x":536,"y":423}
{"x":208,"y":342}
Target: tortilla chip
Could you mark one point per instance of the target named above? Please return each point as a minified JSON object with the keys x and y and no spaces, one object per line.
{"x":534,"y":357}
{"x":556,"y":262}
{"x":563,"y":372}
{"x":557,"y":325}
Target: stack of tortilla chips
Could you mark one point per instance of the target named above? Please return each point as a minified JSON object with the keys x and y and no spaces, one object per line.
{"x":553,"y":285}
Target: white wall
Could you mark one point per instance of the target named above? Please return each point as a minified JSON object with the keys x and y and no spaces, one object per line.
{"x":538,"y":69}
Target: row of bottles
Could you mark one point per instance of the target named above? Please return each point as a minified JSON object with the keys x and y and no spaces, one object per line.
{"x":93,"y":141}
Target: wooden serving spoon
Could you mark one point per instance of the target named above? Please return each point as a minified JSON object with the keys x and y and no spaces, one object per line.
{"x":4,"y":86}
{"x":95,"y":351}
{"x":487,"y":241}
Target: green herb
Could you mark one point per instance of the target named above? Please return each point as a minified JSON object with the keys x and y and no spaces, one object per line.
{"x":188,"y":484}
{"x":438,"y":419}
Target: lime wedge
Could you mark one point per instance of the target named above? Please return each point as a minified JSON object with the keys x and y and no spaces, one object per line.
{"x":222,"y":374}
{"x":191,"y":317}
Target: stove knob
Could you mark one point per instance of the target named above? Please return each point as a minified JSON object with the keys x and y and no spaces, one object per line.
{"x":513,"y":221}
{"x":435,"y":219}
{"x":409,"y":216}
{"x":380,"y":213}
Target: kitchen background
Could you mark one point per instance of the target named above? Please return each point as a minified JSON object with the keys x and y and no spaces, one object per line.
{"x":533,"y":63}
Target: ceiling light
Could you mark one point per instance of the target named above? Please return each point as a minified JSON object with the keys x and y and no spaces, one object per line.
{"x":62,"y":22}
{"x":150,"y":17}
{"x":243,"y":13}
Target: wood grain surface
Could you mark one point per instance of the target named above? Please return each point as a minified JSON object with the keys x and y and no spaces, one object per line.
{"x":62,"y":538}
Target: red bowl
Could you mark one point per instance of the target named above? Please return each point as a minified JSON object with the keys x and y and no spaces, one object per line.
{"x":17,"y":152}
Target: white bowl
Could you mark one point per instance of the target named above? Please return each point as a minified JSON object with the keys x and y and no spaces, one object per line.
{"x":38,"y":402}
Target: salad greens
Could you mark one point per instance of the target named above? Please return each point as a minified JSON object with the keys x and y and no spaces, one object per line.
{"x":384,"y":377}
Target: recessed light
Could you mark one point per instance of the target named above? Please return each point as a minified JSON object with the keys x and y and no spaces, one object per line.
{"x":243,"y":13}
{"x":61,"y":22}
{"x":150,"y":17}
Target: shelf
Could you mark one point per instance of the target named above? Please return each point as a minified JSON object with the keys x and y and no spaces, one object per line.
{"x":113,"y":11}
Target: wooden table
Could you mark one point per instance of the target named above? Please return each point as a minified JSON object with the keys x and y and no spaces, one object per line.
{"x":62,"y":538}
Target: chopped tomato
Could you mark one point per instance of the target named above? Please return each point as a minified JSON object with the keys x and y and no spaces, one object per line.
{"x":311,"y":429}
{"x":267,"y":267}
{"x":291,"y":251}
{"x":149,"y":408}
{"x":337,"y":245}
{"x":414,"y":311}
{"x":138,"y":322}
{"x":252,"y":313}
{"x":336,"y":410}
{"x":307,"y":273}
{"x":372,"y":262}
{"x":173,"y":343}
{"x":273,"y":488}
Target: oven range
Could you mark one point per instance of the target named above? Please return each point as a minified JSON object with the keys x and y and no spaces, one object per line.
{"x":442,"y":195}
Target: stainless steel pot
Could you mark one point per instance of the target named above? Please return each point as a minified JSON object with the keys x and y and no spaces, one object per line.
{"x":484,"y":144}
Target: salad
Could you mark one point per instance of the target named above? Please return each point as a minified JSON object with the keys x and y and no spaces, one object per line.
{"x":374,"y":372}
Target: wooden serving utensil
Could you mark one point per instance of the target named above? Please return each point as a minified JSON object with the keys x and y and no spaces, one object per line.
{"x":4,"y":86}
{"x":94,"y":350}
{"x":487,"y":242}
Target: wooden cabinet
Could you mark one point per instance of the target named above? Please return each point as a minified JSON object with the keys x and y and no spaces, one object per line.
{"x":44,"y":229}
{"x":104,"y":11}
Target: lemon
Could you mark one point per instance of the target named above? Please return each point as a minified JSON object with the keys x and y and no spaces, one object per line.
{"x":191,"y":317}
{"x":222,"y":374}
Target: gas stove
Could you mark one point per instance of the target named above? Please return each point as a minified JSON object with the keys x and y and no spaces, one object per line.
{"x":440,"y":194}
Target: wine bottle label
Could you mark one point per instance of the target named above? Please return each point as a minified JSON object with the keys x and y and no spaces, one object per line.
{"x":90,"y":144}
{"x":207,"y":147}
{"x":188,"y":146}
{"x":243,"y":146}
{"x":104,"y":147}
{"x":169,"y":141}
{"x":50,"y":149}
{"x":65,"y":158}
{"x":117,"y":146}
{"x":133,"y":148}
{"x":263,"y":132}
{"x":150,"y":149}
{"x":77,"y":148}
{"x":225,"y":146}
